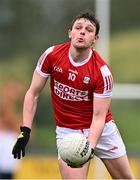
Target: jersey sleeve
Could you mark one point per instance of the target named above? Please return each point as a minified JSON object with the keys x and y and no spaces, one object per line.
{"x":104,"y":84}
{"x":43,"y":66}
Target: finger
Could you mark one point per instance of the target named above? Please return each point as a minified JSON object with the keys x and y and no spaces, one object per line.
{"x":19,"y":155}
{"x":23,"y":152}
{"x":72,"y":166}
{"x":13,"y":151}
{"x":15,"y":155}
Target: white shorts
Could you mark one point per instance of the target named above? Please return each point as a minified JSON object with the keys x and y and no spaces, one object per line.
{"x":110,"y":145}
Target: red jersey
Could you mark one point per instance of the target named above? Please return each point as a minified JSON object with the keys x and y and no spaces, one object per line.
{"x":74,"y":85}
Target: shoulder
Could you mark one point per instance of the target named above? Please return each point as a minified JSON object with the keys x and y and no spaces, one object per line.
{"x":100,"y":63}
{"x":98,"y":59}
{"x":56,"y":49}
{"x":104,"y":78}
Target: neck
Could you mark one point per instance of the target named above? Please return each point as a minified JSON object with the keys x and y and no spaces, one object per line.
{"x":79,"y":55}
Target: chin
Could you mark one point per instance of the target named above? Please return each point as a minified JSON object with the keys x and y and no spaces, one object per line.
{"x":81,"y":45}
{"x":77,"y":46}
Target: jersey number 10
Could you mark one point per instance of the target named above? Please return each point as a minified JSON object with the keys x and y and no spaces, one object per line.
{"x":72,"y":76}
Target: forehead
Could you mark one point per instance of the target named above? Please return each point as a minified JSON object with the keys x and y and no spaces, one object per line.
{"x":84,"y":21}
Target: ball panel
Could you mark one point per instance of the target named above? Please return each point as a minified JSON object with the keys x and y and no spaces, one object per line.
{"x":74,"y":149}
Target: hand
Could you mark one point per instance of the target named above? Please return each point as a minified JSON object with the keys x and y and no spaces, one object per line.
{"x":81,"y":165}
{"x":92,"y":154}
{"x":21,"y":142}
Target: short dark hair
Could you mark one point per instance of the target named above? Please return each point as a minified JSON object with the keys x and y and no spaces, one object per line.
{"x":90,"y":16}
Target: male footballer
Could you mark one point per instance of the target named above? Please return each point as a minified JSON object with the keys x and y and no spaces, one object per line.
{"x":81,"y":87}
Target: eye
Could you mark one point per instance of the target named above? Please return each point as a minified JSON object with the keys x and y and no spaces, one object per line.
{"x":90,"y":30}
{"x":78,"y":27}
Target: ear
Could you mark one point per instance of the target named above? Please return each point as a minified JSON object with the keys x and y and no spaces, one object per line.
{"x":97,"y":37}
{"x":69,"y":33}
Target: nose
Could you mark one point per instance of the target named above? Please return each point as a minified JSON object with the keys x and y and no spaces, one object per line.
{"x":82,"y":32}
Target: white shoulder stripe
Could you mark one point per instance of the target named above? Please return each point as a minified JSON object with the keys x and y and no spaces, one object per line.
{"x":41,"y":61}
{"x":44,"y":55}
{"x":105,"y":71}
{"x":108,"y":80}
{"x":41,"y":73}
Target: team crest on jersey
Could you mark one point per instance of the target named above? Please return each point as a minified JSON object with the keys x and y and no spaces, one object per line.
{"x":86,"y":80}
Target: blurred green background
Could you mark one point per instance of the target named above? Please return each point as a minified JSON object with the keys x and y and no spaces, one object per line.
{"x":28,"y":27}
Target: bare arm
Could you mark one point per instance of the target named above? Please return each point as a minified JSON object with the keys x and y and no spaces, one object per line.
{"x":100,"y":106}
{"x":31,"y":99}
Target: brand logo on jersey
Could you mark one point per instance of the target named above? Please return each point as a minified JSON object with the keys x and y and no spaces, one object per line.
{"x":68,"y":93}
{"x":58,"y":69}
{"x":86,"y":80}
{"x":73,"y":71}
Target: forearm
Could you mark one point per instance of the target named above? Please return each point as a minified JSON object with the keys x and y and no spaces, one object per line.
{"x":96,"y":130}
{"x":100,"y":109}
{"x":29,"y":108}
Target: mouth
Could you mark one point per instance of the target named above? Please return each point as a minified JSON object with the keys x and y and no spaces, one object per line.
{"x":80,"y":40}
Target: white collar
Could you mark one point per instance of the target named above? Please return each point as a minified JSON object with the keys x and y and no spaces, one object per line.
{"x":76,"y":64}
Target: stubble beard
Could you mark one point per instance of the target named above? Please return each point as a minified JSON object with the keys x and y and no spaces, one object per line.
{"x":81,"y":48}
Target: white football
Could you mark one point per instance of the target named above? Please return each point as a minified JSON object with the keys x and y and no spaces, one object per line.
{"x":74,"y":149}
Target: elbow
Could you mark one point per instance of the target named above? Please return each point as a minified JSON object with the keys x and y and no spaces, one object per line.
{"x":32,"y":95}
{"x":99,"y":116}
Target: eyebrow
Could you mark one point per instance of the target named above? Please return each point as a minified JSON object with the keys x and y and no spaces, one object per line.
{"x":78,"y":23}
